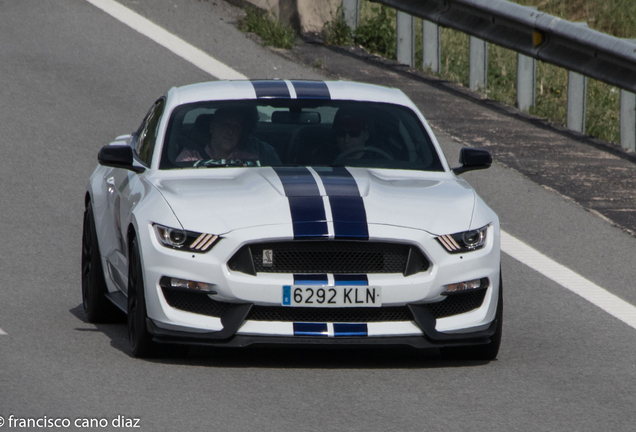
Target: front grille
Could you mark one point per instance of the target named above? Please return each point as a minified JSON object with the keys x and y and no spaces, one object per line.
{"x":329,"y":257}
{"x":203,"y":305}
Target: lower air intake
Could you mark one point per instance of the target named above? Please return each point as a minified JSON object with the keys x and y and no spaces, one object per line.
{"x":202,"y":304}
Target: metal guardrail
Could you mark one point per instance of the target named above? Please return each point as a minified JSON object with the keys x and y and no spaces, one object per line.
{"x":537,"y":35}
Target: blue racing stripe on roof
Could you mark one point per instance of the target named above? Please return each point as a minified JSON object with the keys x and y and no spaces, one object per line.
{"x":305,"y":202}
{"x":347,"y":206}
{"x":271,"y":89}
{"x":311,"y":90}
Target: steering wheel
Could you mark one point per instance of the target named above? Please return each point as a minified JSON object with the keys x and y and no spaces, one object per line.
{"x":379,"y":152}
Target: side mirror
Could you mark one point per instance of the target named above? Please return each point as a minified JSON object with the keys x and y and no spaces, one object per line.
{"x":118,"y":156}
{"x":473,"y":159}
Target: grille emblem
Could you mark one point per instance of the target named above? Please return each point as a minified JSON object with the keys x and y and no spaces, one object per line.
{"x":268,"y":257}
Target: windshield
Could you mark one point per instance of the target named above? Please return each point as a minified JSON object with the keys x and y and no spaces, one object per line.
{"x":297,"y":132}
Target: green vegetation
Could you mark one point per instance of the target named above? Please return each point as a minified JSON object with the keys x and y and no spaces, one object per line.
{"x":337,"y":32}
{"x":377,"y":31}
{"x":271,"y":31}
{"x":616,"y":17}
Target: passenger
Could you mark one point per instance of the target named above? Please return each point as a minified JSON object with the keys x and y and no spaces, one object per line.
{"x":231,"y":139}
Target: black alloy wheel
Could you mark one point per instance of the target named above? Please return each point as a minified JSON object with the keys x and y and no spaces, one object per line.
{"x":97,"y":307}
{"x":141,"y":343}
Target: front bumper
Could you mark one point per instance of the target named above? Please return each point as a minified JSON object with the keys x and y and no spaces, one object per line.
{"x":225,"y":337}
{"x":239,"y":324}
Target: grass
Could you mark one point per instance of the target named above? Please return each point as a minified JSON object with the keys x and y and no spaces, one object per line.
{"x":271,"y":31}
{"x":337,"y":32}
{"x":377,"y":30}
{"x":616,"y":17}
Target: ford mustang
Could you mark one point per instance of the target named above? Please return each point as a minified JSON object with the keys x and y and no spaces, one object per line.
{"x":291,"y":212}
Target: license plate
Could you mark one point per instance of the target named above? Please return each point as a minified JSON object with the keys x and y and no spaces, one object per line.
{"x":331,"y":296}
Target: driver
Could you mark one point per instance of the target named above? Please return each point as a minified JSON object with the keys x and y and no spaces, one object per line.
{"x":231,"y":139}
{"x":351,"y":134}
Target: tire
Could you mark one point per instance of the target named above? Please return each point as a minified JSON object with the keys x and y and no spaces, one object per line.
{"x":97,"y":307}
{"x":487,"y":351}
{"x":141,"y":343}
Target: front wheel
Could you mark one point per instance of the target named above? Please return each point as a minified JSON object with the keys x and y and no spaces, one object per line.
{"x":141,"y":343}
{"x":487,"y":351}
{"x":97,"y":307}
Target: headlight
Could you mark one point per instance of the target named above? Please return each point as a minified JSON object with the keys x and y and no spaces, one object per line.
{"x":464,"y":241}
{"x":188,"y":241}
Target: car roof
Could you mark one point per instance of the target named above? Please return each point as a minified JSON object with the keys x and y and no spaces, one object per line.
{"x":272,"y":89}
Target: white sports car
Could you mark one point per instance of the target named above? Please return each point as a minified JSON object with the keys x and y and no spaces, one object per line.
{"x":291,"y":212}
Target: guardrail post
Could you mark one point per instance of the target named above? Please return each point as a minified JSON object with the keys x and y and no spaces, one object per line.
{"x":478,"y":73}
{"x":526,"y":79}
{"x":526,"y":82}
{"x":628,"y":120}
{"x":351,"y":9}
{"x":577,"y":99}
{"x":431,"y":47}
{"x":405,"y":38}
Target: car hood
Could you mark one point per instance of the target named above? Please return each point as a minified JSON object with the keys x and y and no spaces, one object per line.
{"x":222,"y":200}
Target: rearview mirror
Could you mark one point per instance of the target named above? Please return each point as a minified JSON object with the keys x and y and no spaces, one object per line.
{"x":473,"y":159}
{"x":118,"y":156}
{"x":287,"y":117}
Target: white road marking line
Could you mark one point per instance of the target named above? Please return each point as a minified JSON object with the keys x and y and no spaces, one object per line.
{"x":188,"y":52}
{"x":2,"y":333}
{"x":565,"y":277}
{"x":534,"y":259}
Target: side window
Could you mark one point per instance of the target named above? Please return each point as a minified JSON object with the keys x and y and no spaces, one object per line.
{"x":145,"y":144}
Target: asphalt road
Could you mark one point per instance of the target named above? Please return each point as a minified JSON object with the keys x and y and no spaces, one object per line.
{"x":73,"y":78}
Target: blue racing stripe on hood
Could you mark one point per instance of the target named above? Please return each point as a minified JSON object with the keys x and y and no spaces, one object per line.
{"x":271,"y":89}
{"x":311,"y":90}
{"x":297,"y":181}
{"x":347,"y":206}
{"x":305,"y":202}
